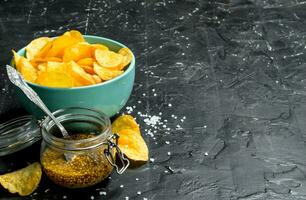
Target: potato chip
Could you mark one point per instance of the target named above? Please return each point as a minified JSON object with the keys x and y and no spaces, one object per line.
{"x":60,"y":44}
{"x":79,"y":75}
{"x":45,"y":50}
{"x":76,"y":52}
{"x":76,"y":35}
{"x":86,"y":61}
{"x":42,"y":67}
{"x":132,"y":145}
{"x":99,"y":46}
{"x":125,"y":122}
{"x":106,"y":74}
{"x":40,"y":60}
{"x":23,"y":181}
{"x":88,"y":69}
{"x":16,"y":59}
{"x":35,"y":46}
{"x":96,"y":78}
{"x":108,"y":59}
{"x":55,"y":79}
{"x":56,"y":67}
{"x":127,"y":57}
{"x":27,"y":70}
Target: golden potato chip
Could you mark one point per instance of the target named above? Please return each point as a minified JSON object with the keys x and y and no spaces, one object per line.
{"x":23,"y":181}
{"x":76,"y":35}
{"x":88,"y":69}
{"x":86,"y":61}
{"x":108,"y":59}
{"x":27,"y":70}
{"x":55,"y":79}
{"x":16,"y":59}
{"x":60,"y":44}
{"x":96,"y":78}
{"x":132,"y":145}
{"x":42,"y":67}
{"x":76,"y":52}
{"x":35,"y":46}
{"x":40,"y":60}
{"x":106,"y":74}
{"x":45,"y":50}
{"x":125,"y":122}
{"x":79,"y":75}
{"x":99,"y":46}
{"x":127,"y":57}
{"x":56,"y":67}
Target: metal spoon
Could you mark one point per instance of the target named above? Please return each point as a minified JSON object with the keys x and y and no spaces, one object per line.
{"x":16,"y":78}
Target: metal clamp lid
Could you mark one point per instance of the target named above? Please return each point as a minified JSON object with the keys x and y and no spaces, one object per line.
{"x":107,"y":152}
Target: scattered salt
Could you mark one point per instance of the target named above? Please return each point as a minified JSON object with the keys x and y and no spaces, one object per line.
{"x":153,"y":90}
{"x":102,"y":193}
{"x":205,"y":126}
{"x":152,"y":159}
{"x":154,"y":94}
{"x":137,"y":179}
{"x":169,"y":153}
{"x":206,"y":154}
{"x":170,"y":105}
{"x":121,"y":186}
{"x":139,"y":193}
{"x":167,"y":142}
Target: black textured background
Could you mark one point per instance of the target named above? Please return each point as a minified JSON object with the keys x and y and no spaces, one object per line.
{"x":227,"y":76}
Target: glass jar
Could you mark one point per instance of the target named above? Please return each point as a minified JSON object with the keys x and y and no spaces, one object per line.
{"x":84,"y":158}
{"x":18,"y":134}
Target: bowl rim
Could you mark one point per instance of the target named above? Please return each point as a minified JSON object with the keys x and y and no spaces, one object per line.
{"x":128,"y":69}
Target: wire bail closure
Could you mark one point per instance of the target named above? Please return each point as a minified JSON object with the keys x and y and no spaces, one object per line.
{"x":107,"y":152}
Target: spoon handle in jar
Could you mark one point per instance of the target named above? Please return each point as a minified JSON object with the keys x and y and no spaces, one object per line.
{"x":16,"y":78}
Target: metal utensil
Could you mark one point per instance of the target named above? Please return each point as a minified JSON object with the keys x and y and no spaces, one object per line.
{"x":16,"y":78}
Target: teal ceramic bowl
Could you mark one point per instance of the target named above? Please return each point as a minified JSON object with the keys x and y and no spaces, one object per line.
{"x":108,"y":97}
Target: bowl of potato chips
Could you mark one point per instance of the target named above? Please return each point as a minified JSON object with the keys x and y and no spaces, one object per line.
{"x":75,"y":70}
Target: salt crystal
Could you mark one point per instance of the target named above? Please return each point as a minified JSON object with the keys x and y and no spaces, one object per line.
{"x":206,"y":154}
{"x":154,"y":94}
{"x":152,"y":159}
{"x":205,"y":126}
{"x":160,"y":113}
{"x":169,"y":153}
{"x":137,"y":179}
{"x":139,"y":193}
{"x":166,"y":171}
{"x":164,"y":126}
{"x":92,"y":197}
{"x":170,"y":105}
{"x":153,"y":90}
{"x":144,"y":198}
{"x":167,"y":142}
{"x":172,"y":115}
{"x":102,"y":193}
{"x":139,"y":101}
{"x":144,"y":94}
{"x":64,"y":197}
{"x":121,"y":186}
{"x":127,"y":198}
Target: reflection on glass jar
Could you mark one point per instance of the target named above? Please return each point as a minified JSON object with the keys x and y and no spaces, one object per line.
{"x":82,"y":159}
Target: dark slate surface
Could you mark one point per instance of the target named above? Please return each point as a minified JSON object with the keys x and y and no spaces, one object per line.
{"x":227,"y":76}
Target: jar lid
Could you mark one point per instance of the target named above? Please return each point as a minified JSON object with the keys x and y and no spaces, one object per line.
{"x":18,"y":133}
